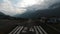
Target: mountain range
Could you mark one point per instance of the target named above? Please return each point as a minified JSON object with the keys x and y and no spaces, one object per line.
{"x":54,"y":10}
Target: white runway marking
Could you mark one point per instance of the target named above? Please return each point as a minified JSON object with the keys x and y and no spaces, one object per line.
{"x":37,"y":29}
{"x":20,"y":30}
{"x":43,"y":30}
{"x":17,"y":30}
{"x":13,"y":30}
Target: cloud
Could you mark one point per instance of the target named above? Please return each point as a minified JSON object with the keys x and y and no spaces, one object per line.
{"x":7,"y":8}
{"x":39,"y":5}
{"x":27,"y":3}
{"x":11,"y":9}
{"x":45,"y":4}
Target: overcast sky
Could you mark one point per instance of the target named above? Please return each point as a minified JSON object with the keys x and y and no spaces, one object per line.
{"x":13,"y":7}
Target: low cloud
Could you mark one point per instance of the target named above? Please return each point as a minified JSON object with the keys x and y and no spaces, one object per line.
{"x":45,"y":4}
{"x":8,"y":8}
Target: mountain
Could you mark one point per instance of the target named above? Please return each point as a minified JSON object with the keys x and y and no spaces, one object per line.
{"x":3,"y":16}
{"x":54,"y":10}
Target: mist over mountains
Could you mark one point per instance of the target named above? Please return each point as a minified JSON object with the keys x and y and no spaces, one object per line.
{"x":54,"y":10}
{"x":13,"y":7}
{"x":3,"y":16}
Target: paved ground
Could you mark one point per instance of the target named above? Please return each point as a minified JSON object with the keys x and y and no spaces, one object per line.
{"x":8,"y":26}
{"x":27,"y":30}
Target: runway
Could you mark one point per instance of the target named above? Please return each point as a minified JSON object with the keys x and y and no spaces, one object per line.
{"x":28,"y":30}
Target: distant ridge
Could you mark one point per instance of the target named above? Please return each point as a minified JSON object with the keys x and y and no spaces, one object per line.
{"x":39,"y":13}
